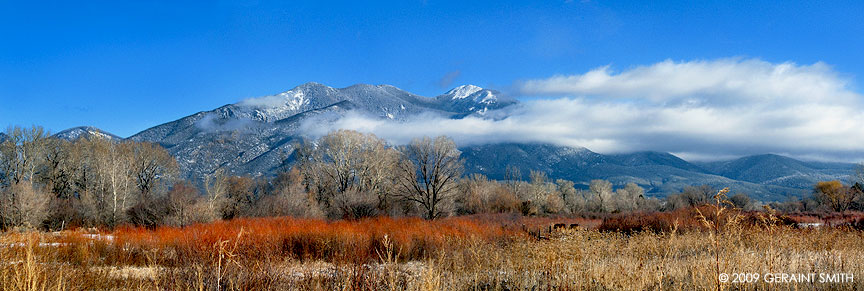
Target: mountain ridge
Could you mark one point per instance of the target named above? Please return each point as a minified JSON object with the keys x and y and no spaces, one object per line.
{"x":254,"y":136}
{"x":257,"y":136}
{"x":85,"y":132}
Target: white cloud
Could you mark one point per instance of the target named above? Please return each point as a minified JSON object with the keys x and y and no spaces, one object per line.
{"x":699,"y":109}
{"x":725,"y":81}
{"x":212,"y":123}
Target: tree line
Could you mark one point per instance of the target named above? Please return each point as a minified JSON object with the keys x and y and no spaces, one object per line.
{"x":49,"y":182}
{"x":52,"y":183}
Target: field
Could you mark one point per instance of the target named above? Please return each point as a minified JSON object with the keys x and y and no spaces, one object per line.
{"x":493,"y":252}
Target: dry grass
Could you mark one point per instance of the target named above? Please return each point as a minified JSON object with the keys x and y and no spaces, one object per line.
{"x":395,"y":254}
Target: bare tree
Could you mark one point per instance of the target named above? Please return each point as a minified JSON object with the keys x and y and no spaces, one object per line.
{"x":181,"y":202}
{"x":475,"y":195}
{"x":289,"y":198}
{"x":835,"y":195}
{"x":541,"y":195}
{"x":58,"y":170}
{"x":698,"y":195}
{"x":108,"y":185}
{"x":741,"y":201}
{"x":216,"y":190}
{"x":566,"y":188}
{"x":23,"y":205}
{"x":574,"y":200}
{"x":93,"y":180}
{"x":152,"y":164}
{"x":428,"y":174}
{"x":481,"y":195}
{"x":345,"y":168}
{"x":151,"y":172}
{"x":858,"y":175}
{"x":240,"y":197}
{"x":22,"y":156}
{"x":630,"y":198}
{"x":513,"y":176}
{"x":601,"y":193}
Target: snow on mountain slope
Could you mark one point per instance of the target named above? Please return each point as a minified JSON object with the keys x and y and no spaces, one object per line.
{"x":462,"y":92}
{"x":473,"y":99}
{"x":85,"y":132}
{"x":255,"y":135}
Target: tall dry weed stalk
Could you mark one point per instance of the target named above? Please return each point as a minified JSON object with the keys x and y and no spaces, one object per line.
{"x":389,"y":258}
{"x":28,"y":272}
{"x":667,"y":252}
{"x":724,"y":219}
{"x":225,"y":257}
{"x":770,"y":222}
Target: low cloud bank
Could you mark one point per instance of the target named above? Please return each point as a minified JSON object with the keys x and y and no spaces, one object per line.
{"x":699,"y":110}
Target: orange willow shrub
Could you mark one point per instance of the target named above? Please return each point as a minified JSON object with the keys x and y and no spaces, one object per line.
{"x":270,"y":238}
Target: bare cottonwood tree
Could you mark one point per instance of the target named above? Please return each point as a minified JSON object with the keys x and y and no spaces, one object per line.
{"x":429,"y":173}
{"x":58,"y":170}
{"x":601,"y":194}
{"x":22,"y":156}
{"x":858,"y":175}
{"x":151,"y":164}
{"x":289,"y":198}
{"x":216,"y":191}
{"x":181,"y":202}
{"x":24,"y":205}
{"x":349,"y":171}
{"x":152,"y":170}
{"x":513,"y":176}
{"x":574,"y":200}
{"x":836,"y":195}
{"x":629,"y":198}
{"x":109,"y":182}
{"x":477,"y":194}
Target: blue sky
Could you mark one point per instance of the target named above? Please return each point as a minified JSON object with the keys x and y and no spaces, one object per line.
{"x":124,"y":66}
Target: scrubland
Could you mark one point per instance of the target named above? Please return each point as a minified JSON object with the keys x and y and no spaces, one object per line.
{"x":492,"y":252}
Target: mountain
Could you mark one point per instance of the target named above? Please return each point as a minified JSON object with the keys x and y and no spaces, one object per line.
{"x":84,"y":132}
{"x":256,"y":136}
{"x":658,"y":173}
{"x":472,"y":99}
{"x":772,"y":169}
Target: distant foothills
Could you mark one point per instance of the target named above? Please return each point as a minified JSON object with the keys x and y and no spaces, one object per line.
{"x":260,"y":136}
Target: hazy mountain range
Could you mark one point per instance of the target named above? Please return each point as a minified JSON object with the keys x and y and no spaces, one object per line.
{"x":257,"y":137}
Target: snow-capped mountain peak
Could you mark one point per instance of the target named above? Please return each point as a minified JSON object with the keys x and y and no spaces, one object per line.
{"x":463,"y":91}
{"x":274,"y":107}
{"x":289,"y":100}
{"x":85,"y":132}
{"x":474,"y":99}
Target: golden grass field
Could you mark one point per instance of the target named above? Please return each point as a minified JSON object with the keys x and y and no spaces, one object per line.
{"x":462,"y":253}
